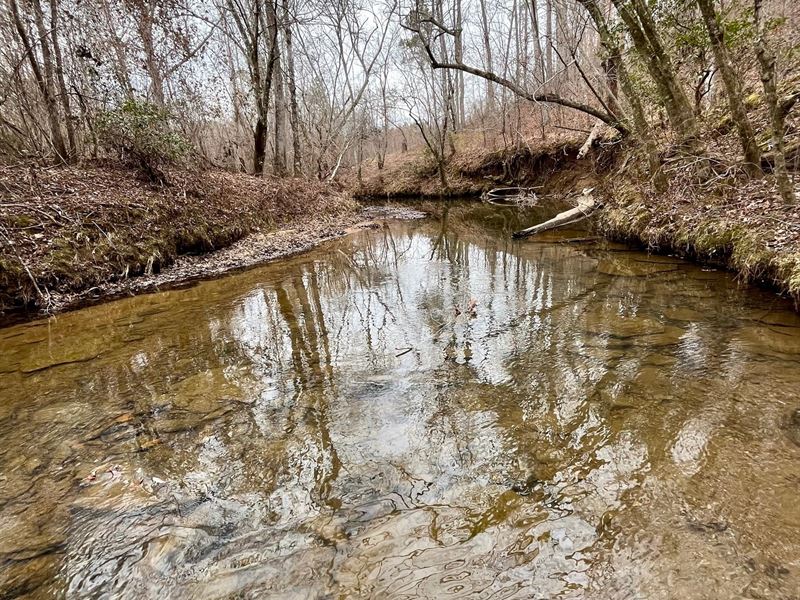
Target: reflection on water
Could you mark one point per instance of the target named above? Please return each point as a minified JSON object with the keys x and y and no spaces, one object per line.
{"x":350,"y":423}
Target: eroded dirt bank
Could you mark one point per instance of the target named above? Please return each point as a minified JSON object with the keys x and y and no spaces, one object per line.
{"x":708,"y":212}
{"x":76,"y":236}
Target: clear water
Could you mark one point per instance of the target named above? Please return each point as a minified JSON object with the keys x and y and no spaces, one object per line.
{"x":426,"y":410}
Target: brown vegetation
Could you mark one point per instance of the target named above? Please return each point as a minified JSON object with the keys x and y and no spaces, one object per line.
{"x":741,"y":225}
{"x":66,"y":229}
{"x":697,"y":101}
{"x":474,"y":169}
{"x":710,"y":209}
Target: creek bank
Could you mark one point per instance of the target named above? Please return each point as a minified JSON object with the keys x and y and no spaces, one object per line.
{"x":726,"y":221}
{"x":75,"y":236}
{"x":739,"y":225}
{"x":472,"y":171}
{"x":255,"y":249}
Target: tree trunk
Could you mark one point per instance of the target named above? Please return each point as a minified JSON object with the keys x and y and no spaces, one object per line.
{"x":144,"y":23}
{"x":294,"y":117}
{"x":279,"y":158}
{"x":279,"y":161}
{"x":121,"y":63}
{"x":383,"y":143}
{"x":538,"y":55}
{"x":458,"y":52}
{"x":614,"y":56}
{"x":43,"y":74}
{"x":638,"y":21}
{"x":487,"y":51}
{"x":447,"y":83}
{"x":769,"y":80}
{"x":442,"y":173}
{"x":251,"y":24}
{"x":259,"y":146}
{"x":586,"y":206}
{"x":747,"y":138}
{"x":62,"y":86}
{"x":550,"y":41}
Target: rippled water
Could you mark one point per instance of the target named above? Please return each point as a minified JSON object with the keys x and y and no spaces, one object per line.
{"x":426,"y":410}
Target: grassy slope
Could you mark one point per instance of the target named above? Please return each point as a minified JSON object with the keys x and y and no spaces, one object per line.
{"x":68,"y":229}
{"x":744,"y":228}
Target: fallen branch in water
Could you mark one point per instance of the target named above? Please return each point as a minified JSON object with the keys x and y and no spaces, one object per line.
{"x":575,"y":240}
{"x":586,"y":206}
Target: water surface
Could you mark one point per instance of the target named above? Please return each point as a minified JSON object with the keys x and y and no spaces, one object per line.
{"x":425,"y":410}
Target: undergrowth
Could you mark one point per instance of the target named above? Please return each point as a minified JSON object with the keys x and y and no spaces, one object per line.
{"x":70,"y":229}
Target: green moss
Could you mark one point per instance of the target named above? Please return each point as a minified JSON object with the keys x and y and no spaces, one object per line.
{"x":11,"y":270}
{"x":61,"y":259}
{"x":789,"y":272}
{"x":709,"y":238}
{"x":753,"y":100}
{"x":19,"y":221}
{"x":720,"y":242}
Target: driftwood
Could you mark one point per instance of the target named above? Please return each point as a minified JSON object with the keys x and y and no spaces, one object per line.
{"x":586,"y":206}
{"x":511,"y":196}
{"x":593,"y":135}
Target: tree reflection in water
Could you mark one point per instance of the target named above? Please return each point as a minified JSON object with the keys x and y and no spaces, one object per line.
{"x":343,"y":424}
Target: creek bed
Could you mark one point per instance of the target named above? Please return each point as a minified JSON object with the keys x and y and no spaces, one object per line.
{"x":424,"y":410}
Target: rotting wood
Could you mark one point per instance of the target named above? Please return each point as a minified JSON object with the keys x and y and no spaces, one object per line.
{"x":586,"y":206}
{"x":593,"y":135}
{"x":512,"y":196}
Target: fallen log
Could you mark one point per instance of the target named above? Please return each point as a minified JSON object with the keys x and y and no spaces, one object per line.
{"x":586,"y":206}
{"x":511,"y":196}
{"x":593,"y":135}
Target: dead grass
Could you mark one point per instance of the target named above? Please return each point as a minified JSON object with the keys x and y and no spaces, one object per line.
{"x":474,"y":168}
{"x":69,"y":229}
{"x":738,"y":224}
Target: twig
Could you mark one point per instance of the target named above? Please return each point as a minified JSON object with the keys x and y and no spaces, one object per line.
{"x":45,"y":296}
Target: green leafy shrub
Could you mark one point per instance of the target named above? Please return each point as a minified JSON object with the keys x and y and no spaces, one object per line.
{"x":144,"y":136}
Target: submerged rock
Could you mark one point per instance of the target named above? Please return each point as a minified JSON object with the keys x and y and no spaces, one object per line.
{"x":632,"y":268}
{"x":793,"y":426}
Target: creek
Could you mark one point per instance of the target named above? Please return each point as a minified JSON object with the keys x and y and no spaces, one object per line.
{"x":424,"y":410}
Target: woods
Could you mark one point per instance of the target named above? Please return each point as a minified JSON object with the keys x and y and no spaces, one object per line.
{"x":310,"y":88}
{"x":677,"y":109}
{"x":400,"y":299}
{"x":278,"y":87}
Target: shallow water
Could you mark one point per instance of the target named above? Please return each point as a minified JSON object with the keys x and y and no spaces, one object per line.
{"x":426,"y":410}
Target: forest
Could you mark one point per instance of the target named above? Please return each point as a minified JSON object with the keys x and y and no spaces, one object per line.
{"x":400,"y":299}
{"x":686,"y":107}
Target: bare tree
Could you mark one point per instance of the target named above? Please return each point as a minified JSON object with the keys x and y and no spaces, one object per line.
{"x":777,"y":111}
{"x":747,"y":138}
{"x":291,"y":84}
{"x":255,"y":39}
{"x":427,"y":27}
{"x":43,"y":73}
